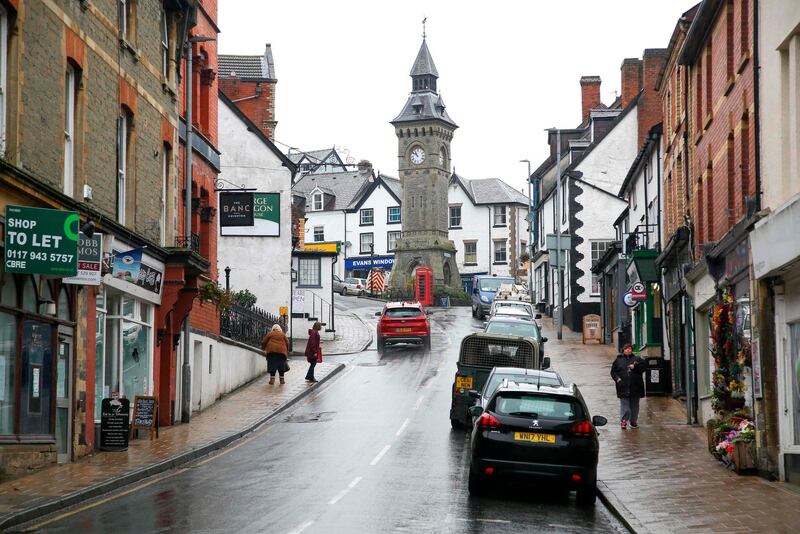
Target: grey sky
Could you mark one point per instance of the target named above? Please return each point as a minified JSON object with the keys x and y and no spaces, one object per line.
{"x":508,"y":69}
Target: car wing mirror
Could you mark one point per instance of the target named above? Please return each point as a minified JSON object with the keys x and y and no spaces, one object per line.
{"x":476,"y":410}
{"x":546,"y":362}
{"x":538,"y":316}
{"x":474,"y":394}
{"x":377,"y":314}
{"x":544,"y":340}
{"x":599,"y":420}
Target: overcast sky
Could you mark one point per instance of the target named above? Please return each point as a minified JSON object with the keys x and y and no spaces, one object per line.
{"x":507,"y":69}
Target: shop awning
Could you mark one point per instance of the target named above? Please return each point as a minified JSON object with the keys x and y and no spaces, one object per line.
{"x":642,"y":266}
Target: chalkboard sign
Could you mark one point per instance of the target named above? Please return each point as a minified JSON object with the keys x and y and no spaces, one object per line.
{"x":114,"y":424}
{"x":592,"y":328}
{"x":145,"y":414}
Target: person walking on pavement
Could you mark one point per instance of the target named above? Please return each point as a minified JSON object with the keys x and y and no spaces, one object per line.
{"x":313,"y":350}
{"x":276,"y":345}
{"x":628,"y":374}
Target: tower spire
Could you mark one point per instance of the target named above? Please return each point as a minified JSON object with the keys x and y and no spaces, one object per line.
{"x":424,"y":20}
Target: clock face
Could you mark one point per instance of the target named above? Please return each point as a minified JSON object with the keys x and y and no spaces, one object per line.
{"x":417,"y":156}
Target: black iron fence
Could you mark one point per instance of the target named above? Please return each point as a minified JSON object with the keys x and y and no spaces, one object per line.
{"x":191,"y":242}
{"x":247,"y":325}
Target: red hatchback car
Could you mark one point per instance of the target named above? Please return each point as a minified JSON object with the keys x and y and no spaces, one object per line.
{"x":403,"y":322}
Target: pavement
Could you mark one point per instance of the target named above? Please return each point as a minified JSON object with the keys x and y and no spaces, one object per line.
{"x":54,"y":488}
{"x":661,"y":477}
{"x":352,"y":336}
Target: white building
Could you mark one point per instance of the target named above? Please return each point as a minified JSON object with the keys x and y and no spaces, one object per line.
{"x":317,"y":161}
{"x":487,"y":223}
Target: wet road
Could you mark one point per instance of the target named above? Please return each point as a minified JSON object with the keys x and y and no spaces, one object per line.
{"x":371,"y":451}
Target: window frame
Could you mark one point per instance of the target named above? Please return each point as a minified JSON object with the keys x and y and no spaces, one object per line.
{"x":122,"y":164}
{"x":361,"y":237}
{"x":165,"y":167}
{"x":504,"y":260}
{"x":70,"y":99}
{"x":473,"y":255}
{"x":164,"y":46}
{"x":450,"y":217}
{"x":317,"y":267}
{"x":389,"y":219}
{"x":321,"y":237}
{"x":397,"y":234}
{"x":317,"y":197}
{"x":365,"y":213}
{"x":599,"y":251}
{"x":501,"y":209}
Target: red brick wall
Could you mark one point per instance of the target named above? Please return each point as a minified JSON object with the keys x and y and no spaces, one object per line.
{"x":722,"y":163}
{"x":590,"y":95}
{"x":648,"y":110}
{"x":261,"y":109}
{"x":631,"y":72}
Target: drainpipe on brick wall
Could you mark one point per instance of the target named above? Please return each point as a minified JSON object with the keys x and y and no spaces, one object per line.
{"x":757,"y":111}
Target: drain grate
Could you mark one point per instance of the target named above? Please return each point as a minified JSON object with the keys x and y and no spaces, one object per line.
{"x":318,"y":417}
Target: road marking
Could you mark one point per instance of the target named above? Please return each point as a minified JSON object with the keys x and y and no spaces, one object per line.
{"x":302,"y":527}
{"x":402,"y":427}
{"x":380,"y":455}
{"x":348,"y":372}
{"x":344,"y":491}
{"x":103,"y":501}
{"x":419,"y":402}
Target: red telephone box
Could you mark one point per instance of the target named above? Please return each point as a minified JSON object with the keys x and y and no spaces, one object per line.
{"x":423,"y":286}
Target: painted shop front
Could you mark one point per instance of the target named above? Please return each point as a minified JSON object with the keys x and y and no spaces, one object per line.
{"x":360,"y":266}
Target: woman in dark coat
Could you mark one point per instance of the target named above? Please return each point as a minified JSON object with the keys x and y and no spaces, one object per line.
{"x":628,"y":374}
{"x":313,"y":348}
{"x":276,"y":345}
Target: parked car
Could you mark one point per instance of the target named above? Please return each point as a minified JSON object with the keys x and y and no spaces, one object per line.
{"x":484,"y":288}
{"x":535,"y":433}
{"x":403,"y":322}
{"x":516,"y":325}
{"x":354,"y":286}
{"x":527,"y":307}
{"x":540,"y":377}
{"x":338,"y":284}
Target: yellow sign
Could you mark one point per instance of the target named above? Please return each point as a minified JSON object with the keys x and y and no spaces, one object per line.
{"x":284,"y":310}
{"x":323,"y":247}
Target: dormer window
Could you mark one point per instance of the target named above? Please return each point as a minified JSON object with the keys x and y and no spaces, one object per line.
{"x":316,"y":202}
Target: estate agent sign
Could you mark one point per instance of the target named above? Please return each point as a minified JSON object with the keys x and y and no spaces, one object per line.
{"x":90,"y":257}
{"x":250,"y":214}
{"x":41,"y":241}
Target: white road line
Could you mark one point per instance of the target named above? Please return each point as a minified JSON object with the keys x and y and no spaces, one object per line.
{"x":402,"y":427}
{"x":419,"y":402}
{"x":380,"y":455}
{"x":348,"y":372}
{"x":344,"y":491}
{"x":302,"y":527}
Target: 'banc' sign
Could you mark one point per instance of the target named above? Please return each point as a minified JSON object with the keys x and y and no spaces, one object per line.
{"x":368,"y":263}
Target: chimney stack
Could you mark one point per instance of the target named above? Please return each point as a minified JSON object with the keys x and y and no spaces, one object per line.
{"x":590,"y":95}
{"x":650,"y":111}
{"x":631,"y":80}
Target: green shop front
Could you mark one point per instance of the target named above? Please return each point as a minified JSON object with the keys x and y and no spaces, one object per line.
{"x":647,"y":318}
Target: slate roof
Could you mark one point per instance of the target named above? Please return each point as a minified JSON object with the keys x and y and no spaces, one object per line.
{"x":491,"y":191}
{"x":313,"y":156}
{"x":393,"y":184}
{"x":423,"y":107}
{"x":345,"y":187}
{"x":424,"y":63}
{"x":261,"y":68}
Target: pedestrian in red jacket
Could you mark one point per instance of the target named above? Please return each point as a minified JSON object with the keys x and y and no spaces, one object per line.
{"x":313,"y":350}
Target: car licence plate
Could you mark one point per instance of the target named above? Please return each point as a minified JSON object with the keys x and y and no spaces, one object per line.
{"x":464,"y":382}
{"x":402,"y":329}
{"x":535,"y":437}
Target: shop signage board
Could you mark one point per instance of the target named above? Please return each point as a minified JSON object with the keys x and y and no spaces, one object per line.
{"x":145,"y":414}
{"x":90,"y":258}
{"x":638,"y":292}
{"x":368,"y":262}
{"x":114,"y":415}
{"x":250,"y":214}
{"x":627,"y":299}
{"x":41,"y":241}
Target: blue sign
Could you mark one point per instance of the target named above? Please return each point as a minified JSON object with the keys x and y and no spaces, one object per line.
{"x":368,"y":262}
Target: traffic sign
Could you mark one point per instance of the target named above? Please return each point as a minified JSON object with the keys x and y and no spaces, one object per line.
{"x":638,"y":292}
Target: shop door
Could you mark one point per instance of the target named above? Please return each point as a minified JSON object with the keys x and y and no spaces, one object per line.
{"x":64,"y":394}
{"x":36,"y":391}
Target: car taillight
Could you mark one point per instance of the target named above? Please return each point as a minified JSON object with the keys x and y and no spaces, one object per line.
{"x":582,"y":428}
{"x":487,"y":420}
{"x":358,"y":286}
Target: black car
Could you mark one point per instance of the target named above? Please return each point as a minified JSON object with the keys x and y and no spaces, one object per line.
{"x":536,"y":433}
{"x":516,"y":326}
{"x":518,"y":375}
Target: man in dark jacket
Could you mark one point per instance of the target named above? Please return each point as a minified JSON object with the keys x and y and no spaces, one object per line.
{"x":628,"y":374}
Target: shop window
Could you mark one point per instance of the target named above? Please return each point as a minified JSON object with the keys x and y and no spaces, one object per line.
{"x":99,"y":355}
{"x":8,"y":297}
{"x":64,"y":312}
{"x":309,"y":272}
{"x":36,"y":377}
{"x":29,"y":300}
{"x":8,"y":344}
{"x":794,"y":377}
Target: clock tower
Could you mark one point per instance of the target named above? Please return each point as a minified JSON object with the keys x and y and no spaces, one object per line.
{"x":424,"y":131}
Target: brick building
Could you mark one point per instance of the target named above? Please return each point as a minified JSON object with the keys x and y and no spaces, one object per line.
{"x":89,"y":125}
{"x":249,"y":81}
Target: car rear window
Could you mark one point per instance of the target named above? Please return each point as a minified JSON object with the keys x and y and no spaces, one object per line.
{"x":546,"y":380}
{"x":403,"y":312}
{"x":514,"y":329}
{"x":493,"y":284}
{"x":539,"y":406}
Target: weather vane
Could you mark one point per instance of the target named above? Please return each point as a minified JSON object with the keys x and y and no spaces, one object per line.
{"x":424,"y":20}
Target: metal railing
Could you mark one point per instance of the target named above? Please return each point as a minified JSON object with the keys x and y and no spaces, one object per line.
{"x":317,"y":308}
{"x":191,"y":242}
{"x":247,"y":325}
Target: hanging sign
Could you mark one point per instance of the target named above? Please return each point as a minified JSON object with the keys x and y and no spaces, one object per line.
{"x":127,"y":265}
{"x":90,"y":257}
{"x":627,"y":299}
{"x":250,"y":214}
{"x":41,"y":241}
{"x":638,"y":292}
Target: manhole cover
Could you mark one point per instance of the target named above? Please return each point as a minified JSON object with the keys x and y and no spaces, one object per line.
{"x":372,"y":364}
{"x":319,"y":417}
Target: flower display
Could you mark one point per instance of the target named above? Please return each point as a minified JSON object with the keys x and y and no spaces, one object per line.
{"x":728,"y":385}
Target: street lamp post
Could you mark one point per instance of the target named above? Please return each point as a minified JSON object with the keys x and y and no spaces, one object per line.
{"x":186,"y":370}
{"x":559,"y":192}
{"x":530,"y":229}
